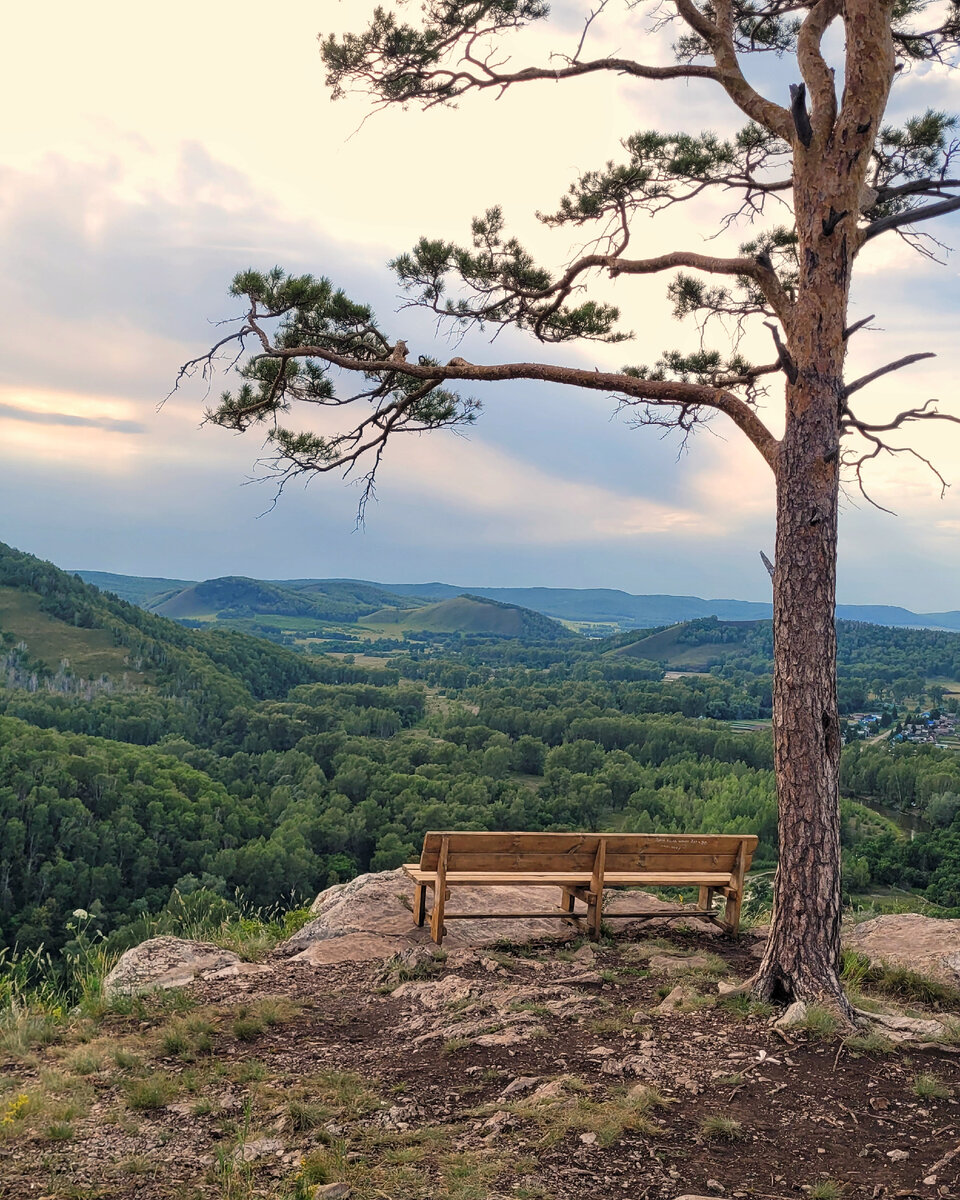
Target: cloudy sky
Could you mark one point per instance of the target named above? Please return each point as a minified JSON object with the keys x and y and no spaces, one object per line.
{"x":149,"y":154}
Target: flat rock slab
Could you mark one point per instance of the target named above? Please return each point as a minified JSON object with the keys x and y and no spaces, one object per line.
{"x":929,"y":945}
{"x":371,"y":917}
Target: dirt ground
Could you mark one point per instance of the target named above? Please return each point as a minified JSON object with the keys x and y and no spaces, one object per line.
{"x":529,"y":1072}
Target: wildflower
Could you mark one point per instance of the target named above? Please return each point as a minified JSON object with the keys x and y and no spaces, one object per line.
{"x":82,"y":913}
{"x":15,"y":1109}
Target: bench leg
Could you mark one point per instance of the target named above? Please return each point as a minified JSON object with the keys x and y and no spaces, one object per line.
{"x":594,"y":915}
{"x":420,"y":903}
{"x":705,"y":901}
{"x":436,"y":917}
{"x":731,"y":916}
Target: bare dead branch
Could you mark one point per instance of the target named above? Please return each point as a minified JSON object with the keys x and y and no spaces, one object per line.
{"x":906,"y":361}
{"x":911,"y":217}
{"x":857,"y":325}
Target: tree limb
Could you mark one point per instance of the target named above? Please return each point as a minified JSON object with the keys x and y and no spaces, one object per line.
{"x":720,"y":38}
{"x":911,"y":217}
{"x":813,"y":67}
{"x":665,"y":393}
{"x":906,"y":361}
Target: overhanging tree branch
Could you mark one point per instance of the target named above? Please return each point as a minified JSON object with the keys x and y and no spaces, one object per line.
{"x":911,"y":217}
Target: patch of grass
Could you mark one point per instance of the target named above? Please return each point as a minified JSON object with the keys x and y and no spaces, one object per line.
{"x":251,"y":1070}
{"x":613,"y":1022}
{"x":150,"y":1092}
{"x":247,"y":1028}
{"x":452,"y":1045}
{"x":720,"y":1128}
{"x":85,"y":1062}
{"x":825,"y":1189}
{"x":872,"y":1042}
{"x":744,"y":1006}
{"x":126,"y":1060}
{"x":304,"y":1116}
{"x":530,"y":1006}
{"x":187,"y":1038}
{"x":820,"y":1023}
{"x":59,"y":1131}
{"x":572,"y":1111}
{"x":901,"y":983}
{"x":930,"y":1087}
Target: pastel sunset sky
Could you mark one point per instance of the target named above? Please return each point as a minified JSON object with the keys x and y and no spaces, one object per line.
{"x":150,"y":153}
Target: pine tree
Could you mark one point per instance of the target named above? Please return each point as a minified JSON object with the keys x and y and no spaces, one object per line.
{"x":844,"y":178}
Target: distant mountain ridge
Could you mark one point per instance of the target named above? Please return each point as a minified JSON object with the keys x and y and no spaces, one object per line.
{"x":602,"y":606}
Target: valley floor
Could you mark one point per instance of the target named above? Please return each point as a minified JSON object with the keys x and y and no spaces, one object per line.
{"x":531,"y":1072}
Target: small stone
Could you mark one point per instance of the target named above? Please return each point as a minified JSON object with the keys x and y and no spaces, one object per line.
{"x":897,"y":1155}
{"x":522,"y":1084}
{"x":715,"y":1185}
{"x":930,"y":1181}
{"x":588,"y":979}
{"x":585,"y":955}
{"x":332,"y":1191}
{"x":676,"y":1000}
{"x":588,"y":1139}
{"x":795,"y":1015}
{"x":250,"y":1151}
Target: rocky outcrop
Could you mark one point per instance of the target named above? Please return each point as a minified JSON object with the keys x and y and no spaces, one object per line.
{"x":928,"y":945}
{"x":371,"y":917}
{"x":169,"y":962}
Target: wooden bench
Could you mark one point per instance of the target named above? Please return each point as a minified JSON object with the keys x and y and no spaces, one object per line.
{"x":582,"y":866}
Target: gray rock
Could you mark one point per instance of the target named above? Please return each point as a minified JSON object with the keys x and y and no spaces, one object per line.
{"x":587,"y":979}
{"x":795,"y":1015}
{"x":331,"y":1191}
{"x":523,"y":1083}
{"x":166,"y":962}
{"x":929,"y":945}
{"x":677,"y":1000}
{"x":251,"y":1151}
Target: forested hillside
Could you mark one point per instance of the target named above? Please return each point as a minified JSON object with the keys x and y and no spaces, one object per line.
{"x":216,"y":761}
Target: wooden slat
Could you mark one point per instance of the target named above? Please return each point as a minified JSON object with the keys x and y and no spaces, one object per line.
{"x":700,"y":914}
{"x":503,"y":916}
{"x":535,"y":878}
{"x":577,"y":878}
{"x":477,"y":850}
{"x":670,"y":878}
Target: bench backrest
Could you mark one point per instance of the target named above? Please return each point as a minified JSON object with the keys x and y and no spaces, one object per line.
{"x":482,"y":851}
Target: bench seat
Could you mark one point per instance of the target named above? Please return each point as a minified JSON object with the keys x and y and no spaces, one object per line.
{"x":581,"y":865}
{"x":715,"y":879}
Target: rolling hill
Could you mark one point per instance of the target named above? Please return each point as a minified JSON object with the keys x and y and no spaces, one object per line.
{"x":693,"y":645}
{"x":76,"y":634}
{"x":470,"y":615}
{"x":348,"y":599}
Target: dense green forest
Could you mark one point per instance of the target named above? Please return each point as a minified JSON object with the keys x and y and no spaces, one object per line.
{"x":221,"y":761}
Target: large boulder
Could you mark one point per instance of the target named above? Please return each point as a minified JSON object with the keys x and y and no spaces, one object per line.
{"x":169,"y":962}
{"x":371,"y":917}
{"x":928,"y":945}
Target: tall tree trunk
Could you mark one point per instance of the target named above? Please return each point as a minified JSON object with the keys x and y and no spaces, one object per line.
{"x":802,"y":958}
